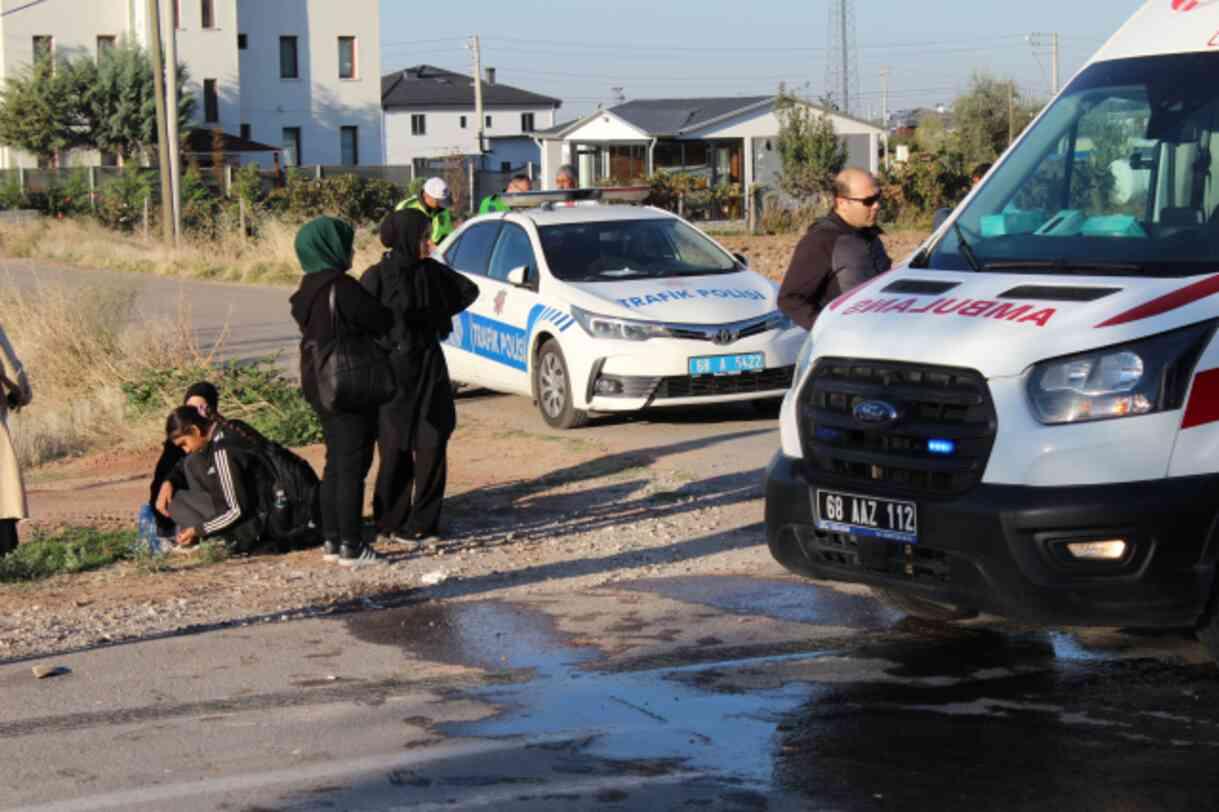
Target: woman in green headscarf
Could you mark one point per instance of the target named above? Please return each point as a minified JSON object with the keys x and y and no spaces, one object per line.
{"x":324,"y":247}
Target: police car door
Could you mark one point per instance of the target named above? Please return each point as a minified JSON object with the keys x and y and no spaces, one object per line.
{"x":510,"y":310}
{"x":471,"y":255}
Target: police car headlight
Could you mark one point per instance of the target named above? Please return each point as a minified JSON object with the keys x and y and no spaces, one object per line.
{"x":599,"y":326}
{"x":778,"y":320}
{"x":1147,"y":376}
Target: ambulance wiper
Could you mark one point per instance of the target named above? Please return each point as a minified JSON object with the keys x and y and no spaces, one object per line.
{"x":1065,"y":266}
{"x":967,"y":250}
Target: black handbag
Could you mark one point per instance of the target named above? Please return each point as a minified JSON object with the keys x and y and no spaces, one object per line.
{"x":353,"y":371}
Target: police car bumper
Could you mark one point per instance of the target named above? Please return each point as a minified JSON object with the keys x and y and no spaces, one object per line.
{"x":1006,"y":550}
{"x":634,"y":376}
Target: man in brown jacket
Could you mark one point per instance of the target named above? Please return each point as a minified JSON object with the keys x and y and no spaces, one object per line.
{"x":838,"y":252}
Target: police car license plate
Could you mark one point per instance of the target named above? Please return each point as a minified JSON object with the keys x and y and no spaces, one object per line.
{"x":868,"y":516}
{"x":727,"y":364}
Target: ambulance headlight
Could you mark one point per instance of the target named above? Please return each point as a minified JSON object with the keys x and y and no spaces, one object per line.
{"x":1151,"y":375}
{"x":621,"y":329}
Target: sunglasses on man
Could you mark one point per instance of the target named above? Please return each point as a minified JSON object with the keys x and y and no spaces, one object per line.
{"x":869,"y":201}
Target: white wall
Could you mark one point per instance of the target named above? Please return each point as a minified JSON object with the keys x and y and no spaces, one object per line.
{"x":319,"y":102}
{"x":210,"y":53}
{"x":444,"y":133}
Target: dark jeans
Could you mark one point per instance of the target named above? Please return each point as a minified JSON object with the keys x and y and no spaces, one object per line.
{"x":349,"y":443}
{"x":8,"y":536}
{"x":410,"y":489}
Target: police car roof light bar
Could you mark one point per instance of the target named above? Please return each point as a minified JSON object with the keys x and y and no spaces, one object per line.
{"x":548,"y":200}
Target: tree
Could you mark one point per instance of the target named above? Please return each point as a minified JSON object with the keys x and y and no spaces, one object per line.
{"x":810,"y":151}
{"x":38,"y":113}
{"x":120,"y":105}
{"x":981,"y":117}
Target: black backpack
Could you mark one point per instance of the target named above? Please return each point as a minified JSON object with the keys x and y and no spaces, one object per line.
{"x":287,"y":491}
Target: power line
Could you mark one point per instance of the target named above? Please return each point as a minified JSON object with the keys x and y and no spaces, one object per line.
{"x":714,"y":49}
{"x":31,"y":4}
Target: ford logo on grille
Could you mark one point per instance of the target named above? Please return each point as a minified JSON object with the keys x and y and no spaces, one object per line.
{"x":874,"y":412}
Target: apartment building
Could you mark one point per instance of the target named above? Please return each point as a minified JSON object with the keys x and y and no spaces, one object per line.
{"x":301,"y":74}
{"x":429,"y":114}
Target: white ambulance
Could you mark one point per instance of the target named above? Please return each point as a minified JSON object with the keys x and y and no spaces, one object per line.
{"x":591,"y":306}
{"x":1023,"y":419}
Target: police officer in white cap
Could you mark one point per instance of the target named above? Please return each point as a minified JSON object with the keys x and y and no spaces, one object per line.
{"x":434,"y":201}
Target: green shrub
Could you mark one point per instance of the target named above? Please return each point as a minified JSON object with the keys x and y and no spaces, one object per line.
{"x":11,"y":196}
{"x":350,"y":197}
{"x":120,"y":204}
{"x":75,"y":549}
{"x":257,"y":392}
{"x":200,"y":206}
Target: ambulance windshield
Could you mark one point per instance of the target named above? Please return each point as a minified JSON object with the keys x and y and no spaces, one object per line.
{"x":628,"y":249}
{"x":1118,"y":177}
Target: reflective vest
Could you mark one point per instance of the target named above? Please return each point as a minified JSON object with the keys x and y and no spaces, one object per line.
{"x":442,"y":221}
{"x":492,"y":203}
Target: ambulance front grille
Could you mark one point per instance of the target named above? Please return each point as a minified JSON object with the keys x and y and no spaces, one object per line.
{"x":945,"y":404}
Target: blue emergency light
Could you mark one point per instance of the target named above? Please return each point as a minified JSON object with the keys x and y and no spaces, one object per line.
{"x":944,"y":448}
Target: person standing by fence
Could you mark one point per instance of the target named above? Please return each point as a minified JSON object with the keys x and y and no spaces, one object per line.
{"x":14,"y":394}
{"x":495,"y":203}
{"x":329,"y":300}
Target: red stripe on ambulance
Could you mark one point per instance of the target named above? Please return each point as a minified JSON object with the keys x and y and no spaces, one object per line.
{"x":1203,"y":406}
{"x":1170,"y":301}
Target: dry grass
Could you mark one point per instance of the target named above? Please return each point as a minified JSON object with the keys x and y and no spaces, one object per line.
{"x":79,"y":346}
{"x":269,"y":259}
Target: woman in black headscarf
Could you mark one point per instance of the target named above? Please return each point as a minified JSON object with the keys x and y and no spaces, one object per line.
{"x":414,"y":427}
{"x":324,"y":247}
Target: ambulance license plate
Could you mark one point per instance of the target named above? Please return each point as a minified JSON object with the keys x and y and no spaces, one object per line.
{"x":727,"y":364}
{"x":867,"y":516}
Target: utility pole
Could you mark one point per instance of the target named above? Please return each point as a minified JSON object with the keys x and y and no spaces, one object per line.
{"x":158,"y":83}
{"x":884,"y":113}
{"x":478,"y":90}
{"x":171,"y":120}
{"x":1011,"y":112}
{"x":846,"y":70}
{"x":1052,"y":42}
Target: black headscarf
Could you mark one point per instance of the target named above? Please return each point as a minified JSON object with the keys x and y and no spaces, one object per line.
{"x":403,"y":231}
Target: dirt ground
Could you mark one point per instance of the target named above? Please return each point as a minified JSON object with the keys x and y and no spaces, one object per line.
{"x":524,"y":510}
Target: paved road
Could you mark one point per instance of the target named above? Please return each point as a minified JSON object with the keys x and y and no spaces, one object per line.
{"x":698,"y":692}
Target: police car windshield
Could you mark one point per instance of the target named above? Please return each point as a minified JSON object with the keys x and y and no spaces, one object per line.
{"x":1117,"y":177}
{"x":630,"y":249}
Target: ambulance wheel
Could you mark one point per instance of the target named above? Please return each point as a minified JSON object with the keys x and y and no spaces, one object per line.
{"x":552,"y":387}
{"x":922,"y":608}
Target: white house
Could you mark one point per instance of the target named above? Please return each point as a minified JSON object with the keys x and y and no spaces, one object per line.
{"x":298,"y":73}
{"x":726,"y":140}
{"x":429,"y":114}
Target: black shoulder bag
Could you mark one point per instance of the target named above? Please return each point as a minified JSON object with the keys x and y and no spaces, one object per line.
{"x":353,"y":372}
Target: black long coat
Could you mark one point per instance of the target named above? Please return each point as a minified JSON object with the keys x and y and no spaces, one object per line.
{"x":424,"y":296}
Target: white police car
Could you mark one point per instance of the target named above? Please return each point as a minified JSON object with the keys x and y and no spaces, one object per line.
{"x":590,"y":307}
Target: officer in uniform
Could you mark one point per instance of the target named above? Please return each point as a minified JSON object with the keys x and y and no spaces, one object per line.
{"x":495,"y":203}
{"x":433,"y":201}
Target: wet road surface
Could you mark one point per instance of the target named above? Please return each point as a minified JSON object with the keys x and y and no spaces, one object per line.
{"x":683,"y":693}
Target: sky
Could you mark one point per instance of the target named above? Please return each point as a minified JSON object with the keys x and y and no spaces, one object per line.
{"x":578,"y":51}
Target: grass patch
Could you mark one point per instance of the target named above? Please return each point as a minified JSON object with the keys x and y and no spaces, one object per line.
{"x":77,"y":549}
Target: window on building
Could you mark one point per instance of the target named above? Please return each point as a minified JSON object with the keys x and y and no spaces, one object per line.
{"x":44,"y":47}
{"x":292,"y":146}
{"x":349,"y":142}
{"x":462,"y":122}
{"x":209,"y":13}
{"x":105,"y":44}
{"x":347,"y":57}
{"x":526,"y":122}
{"x":211,"y":102}
{"x":289,"y":67}
{"x":242,"y":42}
{"x":246,"y":134}
{"x":488,"y":122}
{"x":418,"y":124}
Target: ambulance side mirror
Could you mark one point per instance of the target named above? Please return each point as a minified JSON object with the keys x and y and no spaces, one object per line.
{"x":519,"y":277}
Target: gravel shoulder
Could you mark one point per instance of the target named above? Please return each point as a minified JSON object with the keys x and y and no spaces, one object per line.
{"x":527,"y":512}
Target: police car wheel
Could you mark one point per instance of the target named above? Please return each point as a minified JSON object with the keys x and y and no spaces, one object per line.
{"x":552,"y":388}
{"x":922,"y":608}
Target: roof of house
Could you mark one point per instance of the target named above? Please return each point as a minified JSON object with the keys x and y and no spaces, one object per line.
{"x":200,"y":140}
{"x":676,"y":116}
{"x":429,"y":86}
{"x":660,"y":118}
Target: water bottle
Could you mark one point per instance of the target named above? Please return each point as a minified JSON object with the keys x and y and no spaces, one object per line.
{"x":148,"y":530}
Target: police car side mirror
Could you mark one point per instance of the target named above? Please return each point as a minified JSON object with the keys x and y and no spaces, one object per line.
{"x":741,"y":258}
{"x":519,"y":276}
